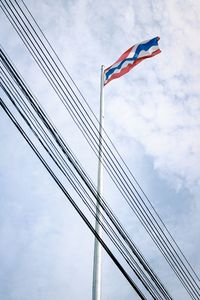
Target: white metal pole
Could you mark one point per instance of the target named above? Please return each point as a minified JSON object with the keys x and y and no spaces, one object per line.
{"x":97,"y":265}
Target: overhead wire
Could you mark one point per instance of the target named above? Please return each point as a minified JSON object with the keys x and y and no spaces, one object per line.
{"x":114,"y":147}
{"x":141,"y":217}
{"x":91,"y":111}
{"x":10,"y":115}
{"x":17,"y":79}
{"x":74,"y":178}
{"x":78,"y":192}
{"x":56,"y":139}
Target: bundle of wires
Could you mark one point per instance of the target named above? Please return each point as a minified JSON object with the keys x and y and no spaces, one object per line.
{"x":50,"y":64}
{"x":34,"y":116}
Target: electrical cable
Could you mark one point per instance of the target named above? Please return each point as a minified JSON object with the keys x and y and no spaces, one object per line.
{"x":72,"y":201}
{"x":167,"y":298}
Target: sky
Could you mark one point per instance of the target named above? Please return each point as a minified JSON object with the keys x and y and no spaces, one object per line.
{"x":151,"y":114}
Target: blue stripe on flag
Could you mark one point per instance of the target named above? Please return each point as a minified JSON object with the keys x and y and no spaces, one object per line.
{"x":141,"y":47}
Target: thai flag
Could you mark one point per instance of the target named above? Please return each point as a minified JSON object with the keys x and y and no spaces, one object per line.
{"x":131,"y":58}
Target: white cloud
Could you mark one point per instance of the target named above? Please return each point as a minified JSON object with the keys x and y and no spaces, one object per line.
{"x":156,"y":105}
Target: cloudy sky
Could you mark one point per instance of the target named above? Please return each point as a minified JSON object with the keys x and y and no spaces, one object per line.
{"x":152,"y":115}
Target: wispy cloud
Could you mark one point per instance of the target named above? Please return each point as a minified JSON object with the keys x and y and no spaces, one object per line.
{"x":155,"y":108}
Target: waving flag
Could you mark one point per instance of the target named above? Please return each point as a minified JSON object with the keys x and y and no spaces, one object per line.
{"x":131,"y":58}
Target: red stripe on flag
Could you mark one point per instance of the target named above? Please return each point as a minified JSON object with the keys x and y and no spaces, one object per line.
{"x":130,"y":66}
{"x":122,"y":57}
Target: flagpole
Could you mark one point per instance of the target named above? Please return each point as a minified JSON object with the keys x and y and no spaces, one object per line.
{"x":97,"y":264}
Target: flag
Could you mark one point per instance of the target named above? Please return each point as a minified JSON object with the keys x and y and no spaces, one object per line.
{"x":131,"y":58}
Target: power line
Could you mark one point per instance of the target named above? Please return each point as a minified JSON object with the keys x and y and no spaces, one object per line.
{"x":10,"y":115}
{"x":109,"y":213}
{"x":143,"y":221}
{"x":149,"y":222}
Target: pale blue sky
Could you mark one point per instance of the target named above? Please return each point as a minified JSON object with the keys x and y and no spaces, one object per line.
{"x":152,"y":115}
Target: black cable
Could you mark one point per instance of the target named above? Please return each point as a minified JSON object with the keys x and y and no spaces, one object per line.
{"x":49,"y":152}
{"x":155,"y":298}
{"x":94,"y":214}
{"x":86,"y":103}
{"x":50,"y":171}
{"x":25,"y":92}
